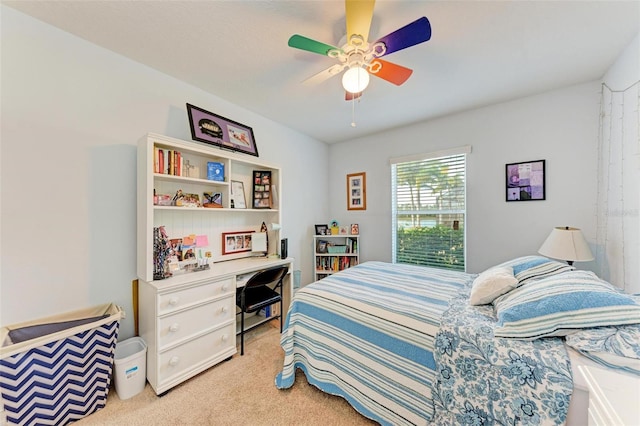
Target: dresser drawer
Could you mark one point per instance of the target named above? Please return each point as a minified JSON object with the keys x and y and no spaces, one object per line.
{"x":182,"y":325}
{"x":183,"y":298}
{"x":193,"y":354}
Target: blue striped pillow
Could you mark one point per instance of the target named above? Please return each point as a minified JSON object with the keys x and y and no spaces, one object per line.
{"x":529,"y":268}
{"x":562,"y":303}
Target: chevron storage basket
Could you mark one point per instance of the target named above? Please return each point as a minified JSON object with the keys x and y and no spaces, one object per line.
{"x":58,"y":369}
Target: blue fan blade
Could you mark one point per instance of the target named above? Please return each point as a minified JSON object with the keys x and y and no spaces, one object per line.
{"x":414,"y":33}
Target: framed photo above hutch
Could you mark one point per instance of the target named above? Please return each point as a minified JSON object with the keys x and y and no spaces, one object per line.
{"x":261,"y":189}
{"x":525,"y":181}
{"x":216,"y":130}
{"x":357,"y":191}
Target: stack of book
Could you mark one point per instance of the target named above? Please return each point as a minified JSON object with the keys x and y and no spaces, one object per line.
{"x":168,"y":162}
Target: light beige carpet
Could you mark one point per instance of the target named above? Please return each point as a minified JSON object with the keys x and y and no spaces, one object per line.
{"x":240,"y":391}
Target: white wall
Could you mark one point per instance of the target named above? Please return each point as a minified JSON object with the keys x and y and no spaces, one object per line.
{"x":72,"y":113}
{"x":560,"y":127}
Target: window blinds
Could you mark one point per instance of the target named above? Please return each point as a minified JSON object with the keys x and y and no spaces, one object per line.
{"x":428,"y":209}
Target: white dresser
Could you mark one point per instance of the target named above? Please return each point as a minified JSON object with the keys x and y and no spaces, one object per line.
{"x":189,"y":321}
{"x":614,"y":399}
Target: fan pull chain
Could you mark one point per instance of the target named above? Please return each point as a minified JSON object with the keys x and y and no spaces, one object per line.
{"x":353,"y":111}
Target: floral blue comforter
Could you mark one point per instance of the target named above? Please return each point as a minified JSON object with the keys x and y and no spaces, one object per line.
{"x":484,"y":380}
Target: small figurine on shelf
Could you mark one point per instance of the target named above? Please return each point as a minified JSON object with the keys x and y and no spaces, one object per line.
{"x":334,"y":227}
{"x":177,"y":199}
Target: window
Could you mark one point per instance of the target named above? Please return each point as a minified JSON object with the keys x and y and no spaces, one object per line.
{"x":428,"y":209}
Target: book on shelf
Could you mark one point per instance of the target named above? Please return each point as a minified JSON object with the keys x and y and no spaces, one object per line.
{"x":168,"y":162}
{"x":156,"y":159}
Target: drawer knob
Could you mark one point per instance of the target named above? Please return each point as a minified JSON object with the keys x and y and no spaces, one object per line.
{"x":225,"y":287}
{"x":174,"y":361}
{"x":174,"y":327}
{"x":225,"y":309}
{"x":225,"y":337}
{"x":174,"y":301}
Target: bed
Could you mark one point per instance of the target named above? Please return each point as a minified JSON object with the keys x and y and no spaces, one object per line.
{"x":404,"y":344}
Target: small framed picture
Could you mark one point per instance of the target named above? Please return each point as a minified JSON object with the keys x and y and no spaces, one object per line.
{"x":238,"y":200}
{"x":525,"y":181}
{"x":357,"y":191}
{"x":261,"y":189}
{"x":355,"y":229}
{"x":236,"y":242}
{"x":322,"y":246}
{"x":344,"y":230}
{"x":212,"y":199}
{"x":322,"y":229}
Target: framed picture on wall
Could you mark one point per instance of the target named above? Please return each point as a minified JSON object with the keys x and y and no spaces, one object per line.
{"x":357,"y":191}
{"x":525,"y":181}
{"x":217,"y":130}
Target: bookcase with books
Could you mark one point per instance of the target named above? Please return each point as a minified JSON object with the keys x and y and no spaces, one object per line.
{"x":193,"y":189}
{"x":334,"y":253}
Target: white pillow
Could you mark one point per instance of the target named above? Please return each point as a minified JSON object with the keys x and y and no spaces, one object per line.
{"x":492,"y":283}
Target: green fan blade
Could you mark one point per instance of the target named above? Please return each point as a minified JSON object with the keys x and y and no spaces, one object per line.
{"x":304,"y":43}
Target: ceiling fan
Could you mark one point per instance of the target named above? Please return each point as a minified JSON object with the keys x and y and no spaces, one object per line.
{"x":360,"y":57}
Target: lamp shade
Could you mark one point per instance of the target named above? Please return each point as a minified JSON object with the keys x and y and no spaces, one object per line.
{"x":274,"y":227}
{"x":566,"y":243}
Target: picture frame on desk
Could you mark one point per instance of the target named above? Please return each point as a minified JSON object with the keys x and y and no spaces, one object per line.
{"x":236,"y":242}
{"x":214,"y":129}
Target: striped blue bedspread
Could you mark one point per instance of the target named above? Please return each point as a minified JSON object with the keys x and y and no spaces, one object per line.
{"x":367,"y":335}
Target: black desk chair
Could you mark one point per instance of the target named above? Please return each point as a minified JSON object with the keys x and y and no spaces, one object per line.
{"x":257,"y":294}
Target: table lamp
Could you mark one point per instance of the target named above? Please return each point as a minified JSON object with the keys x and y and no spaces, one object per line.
{"x":567,"y":244}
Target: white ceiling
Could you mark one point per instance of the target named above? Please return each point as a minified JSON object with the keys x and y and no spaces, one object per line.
{"x":480,"y":52}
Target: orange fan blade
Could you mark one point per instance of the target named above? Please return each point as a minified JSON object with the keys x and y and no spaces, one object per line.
{"x":389,"y":71}
{"x":358,"y":16}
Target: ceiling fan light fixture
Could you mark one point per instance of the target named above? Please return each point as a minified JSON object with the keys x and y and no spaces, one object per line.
{"x":355,"y":79}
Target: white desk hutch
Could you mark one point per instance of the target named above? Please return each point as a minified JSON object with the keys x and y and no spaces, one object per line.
{"x":188,"y":320}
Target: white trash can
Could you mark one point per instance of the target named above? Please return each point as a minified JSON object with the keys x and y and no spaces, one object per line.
{"x":130,"y":367}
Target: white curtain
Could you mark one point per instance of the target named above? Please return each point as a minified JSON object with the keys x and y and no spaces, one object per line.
{"x":618,"y":221}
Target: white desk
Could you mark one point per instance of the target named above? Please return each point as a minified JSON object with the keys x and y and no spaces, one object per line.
{"x":188,"y":321}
